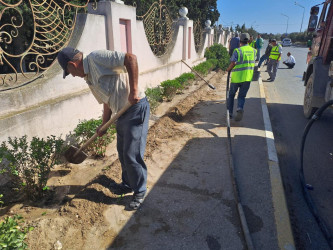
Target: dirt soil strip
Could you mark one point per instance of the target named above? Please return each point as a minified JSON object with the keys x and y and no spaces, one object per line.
{"x":190,"y":202}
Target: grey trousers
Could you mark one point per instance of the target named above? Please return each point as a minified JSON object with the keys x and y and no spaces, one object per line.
{"x":272,"y":67}
{"x":132,"y":130}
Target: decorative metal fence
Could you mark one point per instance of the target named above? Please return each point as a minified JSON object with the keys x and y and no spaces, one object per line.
{"x":198,"y":35}
{"x":158,"y":26}
{"x":31,"y":34}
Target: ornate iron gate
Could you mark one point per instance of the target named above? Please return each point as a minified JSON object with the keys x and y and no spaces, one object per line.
{"x":31,"y":34}
{"x":158,"y":26}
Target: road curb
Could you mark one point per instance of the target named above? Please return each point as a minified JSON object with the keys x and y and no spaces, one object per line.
{"x":281,"y":215}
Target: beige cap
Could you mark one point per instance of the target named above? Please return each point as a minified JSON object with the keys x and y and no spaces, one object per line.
{"x":244,"y":37}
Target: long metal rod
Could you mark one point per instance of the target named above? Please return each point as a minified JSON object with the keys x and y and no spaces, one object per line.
{"x":211,"y":86}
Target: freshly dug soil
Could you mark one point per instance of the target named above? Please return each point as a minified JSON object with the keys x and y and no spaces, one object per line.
{"x":83,"y":212}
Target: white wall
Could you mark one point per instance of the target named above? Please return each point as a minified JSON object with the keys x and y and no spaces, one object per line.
{"x":153,"y":69}
{"x":54,"y":106}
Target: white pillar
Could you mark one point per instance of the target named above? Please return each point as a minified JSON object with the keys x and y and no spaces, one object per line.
{"x":183,"y":21}
{"x":113,"y":12}
{"x":220,"y":35}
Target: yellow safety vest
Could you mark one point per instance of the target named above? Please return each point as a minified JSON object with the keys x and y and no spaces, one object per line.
{"x":243,"y":70}
{"x":253,"y":45}
{"x":275,"y":53}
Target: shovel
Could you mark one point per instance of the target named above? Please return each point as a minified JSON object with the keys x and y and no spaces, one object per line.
{"x":77,"y":156}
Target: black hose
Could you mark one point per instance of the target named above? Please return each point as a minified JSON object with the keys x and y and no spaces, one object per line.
{"x":228,"y":114}
{"x":240,"y":209}
{"x":306,"y":187}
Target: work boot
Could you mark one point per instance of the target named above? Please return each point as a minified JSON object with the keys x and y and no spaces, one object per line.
{"x":137,"y":201}
{"x":239,"y":115}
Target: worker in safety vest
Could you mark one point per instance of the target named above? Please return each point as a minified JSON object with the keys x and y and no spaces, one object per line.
{"x":274,"y":59}
{"x":252,"y":42}
{"x":242,"y":64}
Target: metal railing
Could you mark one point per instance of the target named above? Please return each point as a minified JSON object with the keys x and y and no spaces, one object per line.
{"x":198,"y":35}
{"x":31,"y":34}
{"x":158,"y":25}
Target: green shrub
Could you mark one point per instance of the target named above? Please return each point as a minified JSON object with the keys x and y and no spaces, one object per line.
{"x":154,"y":96}
{"x":217,"y":51}
{"x":11,"y":234}
{"x":204,"y":67}
{"x":29,"y":165}
{"x":86,"y":129}
{"x":170,"y":88}
{"x":214,"y":63}
{"x":184,"y":78}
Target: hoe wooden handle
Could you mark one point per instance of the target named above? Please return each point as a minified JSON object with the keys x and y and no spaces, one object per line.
{"x":104,"y":127}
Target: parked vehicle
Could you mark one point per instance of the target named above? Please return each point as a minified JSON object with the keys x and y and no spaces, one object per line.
{"x":286,"y":42}
{"x":318,"y":77}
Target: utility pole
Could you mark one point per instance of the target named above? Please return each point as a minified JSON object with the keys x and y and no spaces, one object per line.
{"x":287,"y":22}
{"x":303,"y":14}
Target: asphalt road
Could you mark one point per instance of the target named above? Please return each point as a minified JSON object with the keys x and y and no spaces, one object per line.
{"x":285,"y":104}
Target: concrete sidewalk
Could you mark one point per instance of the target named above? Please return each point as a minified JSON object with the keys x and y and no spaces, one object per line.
{"x":191,"y":202}
{"x":258,"y":175}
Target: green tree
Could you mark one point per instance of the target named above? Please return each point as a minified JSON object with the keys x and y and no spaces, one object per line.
{"x":243,"y":29}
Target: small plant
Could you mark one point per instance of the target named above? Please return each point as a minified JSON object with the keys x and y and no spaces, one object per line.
{"x":29,"y":164}
{"x":170,"y":88}
{"x":11,"y":234}
{"x":185,"y":78}
{"x":1,"y":201}
{"x":154,"y":96}
{"x":87,"y":128}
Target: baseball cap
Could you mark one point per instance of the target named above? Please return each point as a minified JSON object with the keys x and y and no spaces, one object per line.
{"x":64,"y":56}
{"x":273,"y":40}
{"x":244,"y":37}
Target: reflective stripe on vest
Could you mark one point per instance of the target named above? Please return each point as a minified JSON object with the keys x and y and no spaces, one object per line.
{"x":243,"y":70}
{"x":275,"y":53}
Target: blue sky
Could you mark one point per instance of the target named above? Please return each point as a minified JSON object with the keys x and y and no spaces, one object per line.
{"x":265,"y":15}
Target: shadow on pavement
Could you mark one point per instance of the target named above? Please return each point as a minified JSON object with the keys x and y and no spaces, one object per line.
{"x":318,"y":158}
{"x":288,"y":125}
{"x":190,"y":206}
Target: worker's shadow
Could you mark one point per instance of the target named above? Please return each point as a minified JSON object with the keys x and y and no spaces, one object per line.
{"x":100,"y":190}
